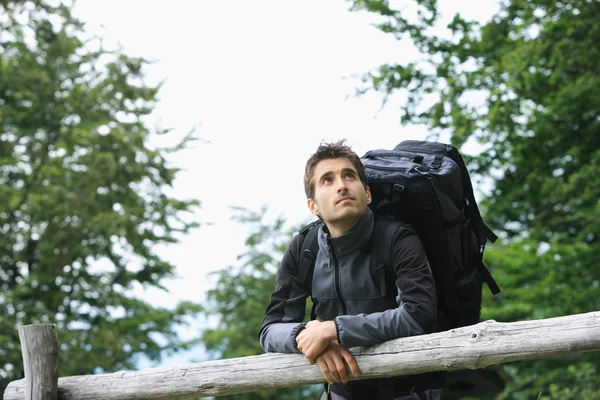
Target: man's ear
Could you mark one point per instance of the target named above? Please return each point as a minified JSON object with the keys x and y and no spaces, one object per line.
{"x":312,"y":206}
{"x":368,"y":195}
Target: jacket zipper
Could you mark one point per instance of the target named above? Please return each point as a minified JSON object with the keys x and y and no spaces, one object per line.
{"x":337,"y":276}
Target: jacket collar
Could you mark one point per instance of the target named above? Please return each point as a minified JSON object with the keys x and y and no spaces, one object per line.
{"x":351,"y":241}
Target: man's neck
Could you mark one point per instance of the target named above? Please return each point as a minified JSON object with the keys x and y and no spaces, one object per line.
{"x":339,"y":228}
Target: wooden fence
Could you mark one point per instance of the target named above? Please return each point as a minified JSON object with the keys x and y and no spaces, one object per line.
{"x":473,"y":347}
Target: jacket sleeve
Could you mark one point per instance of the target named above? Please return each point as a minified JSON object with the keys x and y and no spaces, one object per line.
{"x":416,"y":299}
{"x":287,"y":306}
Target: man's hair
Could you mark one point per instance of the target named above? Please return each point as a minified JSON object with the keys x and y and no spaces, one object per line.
{"x":327,"y":151}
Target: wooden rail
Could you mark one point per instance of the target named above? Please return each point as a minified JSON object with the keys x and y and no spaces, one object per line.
{"x":472,"y":347}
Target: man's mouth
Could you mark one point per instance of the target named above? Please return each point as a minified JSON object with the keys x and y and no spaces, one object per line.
{"x":343,"y":199}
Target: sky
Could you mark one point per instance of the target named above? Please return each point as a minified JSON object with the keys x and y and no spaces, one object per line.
{"x":263,"y":83}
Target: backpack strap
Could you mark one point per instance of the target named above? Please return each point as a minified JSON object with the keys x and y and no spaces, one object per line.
{"x":308,"y":255}
{"x":381,"y":239}
{"x":381,"y":252}
{"x":438,"y":159}
{"x":487,"y":277}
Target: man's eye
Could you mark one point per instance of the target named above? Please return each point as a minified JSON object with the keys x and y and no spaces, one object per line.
{"x":349,"y":175}
{"x":327,"y":181}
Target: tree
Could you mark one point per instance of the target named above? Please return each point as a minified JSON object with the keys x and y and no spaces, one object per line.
{"x":525,"y":87}
{"x":82,"y":199}
{"x":241,"y":295}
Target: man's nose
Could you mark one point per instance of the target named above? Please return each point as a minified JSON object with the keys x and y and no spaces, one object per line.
{"x":341,"y":185}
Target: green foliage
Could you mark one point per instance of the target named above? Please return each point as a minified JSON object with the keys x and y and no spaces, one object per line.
{"x":82,"y":198}
{"x":525,"y":86}
{"x":240,"y":297}
{"x":543,"y":282}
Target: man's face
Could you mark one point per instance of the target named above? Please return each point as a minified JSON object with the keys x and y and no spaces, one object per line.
{"x":339,"y":195}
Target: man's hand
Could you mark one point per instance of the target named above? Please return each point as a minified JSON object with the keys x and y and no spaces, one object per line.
{"x":331,"y":362}
{"x":315,"y":338}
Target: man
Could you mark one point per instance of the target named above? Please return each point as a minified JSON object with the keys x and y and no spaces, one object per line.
{"x":352,"y":306}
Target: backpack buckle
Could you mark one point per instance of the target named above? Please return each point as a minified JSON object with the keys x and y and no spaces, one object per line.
{"x":396,"y":192}
{"x":398,"y":188}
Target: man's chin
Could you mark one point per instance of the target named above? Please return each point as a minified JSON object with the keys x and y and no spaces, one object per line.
{"x":348,"y":213}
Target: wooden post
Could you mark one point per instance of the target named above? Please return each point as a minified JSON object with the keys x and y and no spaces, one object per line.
{"x":39,"y":346}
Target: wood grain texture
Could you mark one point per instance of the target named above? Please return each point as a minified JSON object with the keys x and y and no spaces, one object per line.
{"x":39,"y":347}
{"x":472,"y":347}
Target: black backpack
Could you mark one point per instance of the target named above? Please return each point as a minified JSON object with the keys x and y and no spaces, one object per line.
{"x":427,"y":185}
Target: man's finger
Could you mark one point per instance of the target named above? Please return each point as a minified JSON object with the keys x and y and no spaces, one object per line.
{"x":351,"y":361}
{"x":313,"y":349}
{"x":309,"y":355}
{"x":300,"y":337}
{"x":325,"y":370}
{"x":340,"y":367}
{"x":331,"y":366}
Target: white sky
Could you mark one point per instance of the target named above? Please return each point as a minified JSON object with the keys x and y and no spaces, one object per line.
{"x":266,"y":82}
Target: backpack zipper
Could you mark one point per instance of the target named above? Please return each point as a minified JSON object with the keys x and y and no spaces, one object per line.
{"x":384,"y":168}
{"x":398,"y":153}
{"x":406,"y":152}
